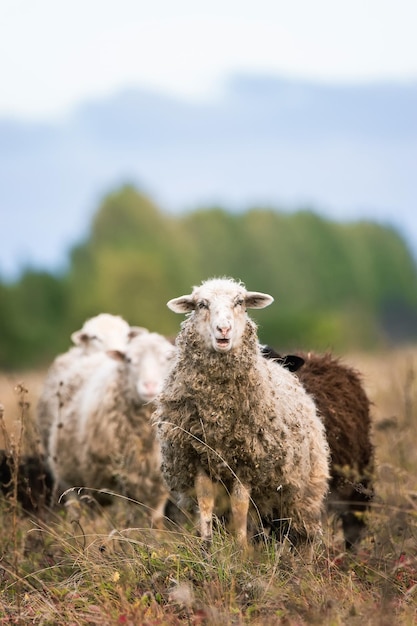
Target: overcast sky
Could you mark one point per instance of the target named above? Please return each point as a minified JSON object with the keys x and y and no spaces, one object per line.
{"x":56,"y":53}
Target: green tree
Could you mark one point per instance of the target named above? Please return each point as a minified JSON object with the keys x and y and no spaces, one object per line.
{"x":336,"y":286}
{"x":31,"y":318}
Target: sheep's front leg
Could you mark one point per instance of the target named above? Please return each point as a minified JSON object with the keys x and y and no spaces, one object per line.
{"x":158,"y":514}
{"x":205,"y":491}
{"x":239,"y":502}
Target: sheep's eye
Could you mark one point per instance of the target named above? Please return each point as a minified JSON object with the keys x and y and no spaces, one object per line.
{"x":239,"y":302}
{"x":202,"y":305}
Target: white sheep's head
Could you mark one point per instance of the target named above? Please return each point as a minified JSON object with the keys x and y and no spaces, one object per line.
{"x":147,"y":358}
{"x":104,"y":332}
{"x":219,"y":308}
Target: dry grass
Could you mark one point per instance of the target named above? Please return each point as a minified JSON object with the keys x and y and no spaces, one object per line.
{"x":11,"y":400}
{"x":99,"y":571}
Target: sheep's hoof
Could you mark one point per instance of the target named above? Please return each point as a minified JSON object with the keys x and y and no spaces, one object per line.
{"x":206,"y":544}
{"x":207,"y":541}
{"x":243,"y":546}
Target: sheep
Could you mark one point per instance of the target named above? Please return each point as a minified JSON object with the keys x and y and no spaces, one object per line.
{"x":34,"y":481}
{"x":345,"y":409}
{"x":229,"y":418}
{"x":103,"y":438}
{"x":68,"y":370}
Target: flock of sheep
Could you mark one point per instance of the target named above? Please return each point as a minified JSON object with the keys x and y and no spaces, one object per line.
{"x":211,"y":426}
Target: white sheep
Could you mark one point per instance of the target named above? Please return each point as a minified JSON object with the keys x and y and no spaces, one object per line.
{"x":103,"y":438}
{"x":69,"y":370}
{"x":229,"y":417}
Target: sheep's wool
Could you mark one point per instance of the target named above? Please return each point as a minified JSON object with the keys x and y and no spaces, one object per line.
{"x":103,"y":438}
{"x":236,"y":415}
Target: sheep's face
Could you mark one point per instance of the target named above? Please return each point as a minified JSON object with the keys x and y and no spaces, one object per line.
{"x":103,"y":332}
{"x":147,"y":359}
{"x":219,"y":308}
{"x":151,"y":370}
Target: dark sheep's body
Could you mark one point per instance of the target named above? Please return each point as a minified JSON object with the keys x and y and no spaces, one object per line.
{"x":344,"y":407}
{"x":34,"y":481}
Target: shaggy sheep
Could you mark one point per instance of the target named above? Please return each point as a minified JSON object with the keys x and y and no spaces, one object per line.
{"x":345,"y":409}
{"x":67,"y":372}
{"x":103,"y":438}
{"x":228,"y":417}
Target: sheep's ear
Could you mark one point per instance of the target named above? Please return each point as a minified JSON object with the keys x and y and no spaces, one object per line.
{"x":134,"y":331}
{"x":78,"y":338}
{"x":270,"y":353}
{"x":183,"y":304}
{"x":292,"y":362}
{"x":117,"y":355}
{"x":257,"y":300}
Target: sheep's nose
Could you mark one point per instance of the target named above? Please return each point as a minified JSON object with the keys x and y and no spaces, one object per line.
{"x":224,"y":330}
{"x":149,"y":388}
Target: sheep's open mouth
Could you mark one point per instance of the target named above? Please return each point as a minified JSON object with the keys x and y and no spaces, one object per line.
{"x":223,"y":342}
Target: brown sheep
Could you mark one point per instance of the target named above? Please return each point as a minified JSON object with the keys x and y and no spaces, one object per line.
{"x":345,"y":409}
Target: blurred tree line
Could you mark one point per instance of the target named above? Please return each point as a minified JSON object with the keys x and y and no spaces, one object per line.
{"x":336,"y":286}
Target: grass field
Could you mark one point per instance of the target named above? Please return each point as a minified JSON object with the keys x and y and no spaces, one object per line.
{"x":100,"y":571}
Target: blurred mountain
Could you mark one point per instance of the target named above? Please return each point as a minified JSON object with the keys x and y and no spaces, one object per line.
{"x":348,"y":151}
